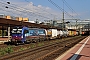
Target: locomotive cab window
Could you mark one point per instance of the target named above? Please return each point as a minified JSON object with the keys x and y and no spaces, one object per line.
{"x":26,"y":31}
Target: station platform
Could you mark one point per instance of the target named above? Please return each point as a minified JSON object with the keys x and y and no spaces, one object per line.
{"x":81,"y":51}
{"x":3,"y":40}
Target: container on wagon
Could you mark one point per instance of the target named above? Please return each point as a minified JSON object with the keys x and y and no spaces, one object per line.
{"x":52,"y":33}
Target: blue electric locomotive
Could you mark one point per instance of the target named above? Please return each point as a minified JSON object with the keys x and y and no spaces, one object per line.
{"x":25,"y":34}
{"x":18,"y":34}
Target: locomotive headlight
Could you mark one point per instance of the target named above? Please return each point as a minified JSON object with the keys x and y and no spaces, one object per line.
{"x":21,"y":36}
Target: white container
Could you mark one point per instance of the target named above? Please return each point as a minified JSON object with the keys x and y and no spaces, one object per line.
{"x":61,"y":33}
{"x":58,"y":32}
{"x":52,"y":33}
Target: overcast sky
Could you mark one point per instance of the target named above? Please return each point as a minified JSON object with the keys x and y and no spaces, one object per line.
{"x":44,"y":10}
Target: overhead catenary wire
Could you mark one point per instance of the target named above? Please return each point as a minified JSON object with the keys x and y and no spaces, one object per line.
{"x":73,"y":11}
{"x":12,"y":9}
{"x":43,"y":9}
{"x":4,"y":10}
{"x":24,"y":10}
{"x":61,"y":9}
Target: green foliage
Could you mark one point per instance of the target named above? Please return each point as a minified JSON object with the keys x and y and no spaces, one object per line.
{"x":32,"y":46}
{"x":21,"y":49}
{"x":7,"y":50}
{"x":2,"y":51}
{"x":40,"y":44}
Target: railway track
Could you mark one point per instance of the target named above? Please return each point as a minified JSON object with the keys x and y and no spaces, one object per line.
{"x":27,"y":45}
{"x":58,"y":52}
{"x":46,"y":52}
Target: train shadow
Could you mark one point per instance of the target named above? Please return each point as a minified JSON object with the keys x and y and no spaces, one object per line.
{"x":8,"y":43}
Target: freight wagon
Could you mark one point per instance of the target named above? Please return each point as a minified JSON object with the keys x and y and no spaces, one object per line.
{"x":85,"y":33}
{"x":73,"y":32}
{"x":52,"y":33}
{"x":65,"y":33}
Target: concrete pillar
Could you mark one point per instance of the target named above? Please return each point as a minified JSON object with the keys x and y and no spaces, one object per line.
{"x":8,"y":32}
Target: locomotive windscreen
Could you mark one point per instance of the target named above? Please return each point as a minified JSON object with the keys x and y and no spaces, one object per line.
{"x":16,"y":30}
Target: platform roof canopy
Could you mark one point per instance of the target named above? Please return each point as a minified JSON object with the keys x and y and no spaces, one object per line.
{"x":11,"y":23}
